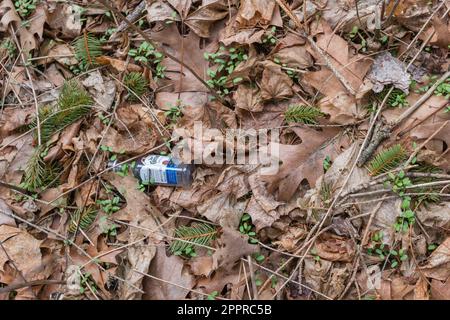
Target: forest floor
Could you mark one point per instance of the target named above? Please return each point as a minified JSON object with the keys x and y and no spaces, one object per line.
{"x":319,"y":132}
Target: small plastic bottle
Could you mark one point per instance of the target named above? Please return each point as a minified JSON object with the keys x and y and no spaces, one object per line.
{"x":159,"y":170}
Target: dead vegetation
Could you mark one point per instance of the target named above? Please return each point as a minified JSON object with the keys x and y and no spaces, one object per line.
{"x":357,"y":94}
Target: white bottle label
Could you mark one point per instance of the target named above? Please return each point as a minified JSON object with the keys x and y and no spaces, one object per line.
{"x":154,"y":169}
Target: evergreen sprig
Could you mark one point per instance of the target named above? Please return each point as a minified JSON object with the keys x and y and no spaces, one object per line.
{"x":34,"y":177}
{"x":201,"y":234}
{"x":302,"y":114}
{"x":74,"y":102}
{"x":87,"y":48}
{"x":82,"y":218}
{"x":387,"y":160}
{"x":136,"y":84}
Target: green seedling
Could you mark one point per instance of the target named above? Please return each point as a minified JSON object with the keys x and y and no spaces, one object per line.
{"x":146,"y":54}
{"x":270,"y":37}
{"x":109,"y":206}
{"x":246,"y":227}
{"x":225,"y":61}
{"x":327,"y":163}
{"x":25,"y":7}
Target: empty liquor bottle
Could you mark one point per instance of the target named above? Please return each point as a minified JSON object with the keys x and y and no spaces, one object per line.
{"x":159,"y":170}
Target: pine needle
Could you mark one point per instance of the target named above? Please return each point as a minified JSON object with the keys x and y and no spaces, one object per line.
{"x":88,"y":216}
{"x":136,"y":84}
{"x":74,"y":102}
{"x":35,"y":172}
{"x":302,"y":114}
{"x":87,"y":48}
{"x":387,"y":160}
{"x":201,"y":234}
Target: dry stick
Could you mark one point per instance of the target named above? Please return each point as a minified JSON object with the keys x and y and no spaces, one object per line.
{"x":132,"y":17}
{"x":147,"y":38}
{"x":313,"y":44}
{"x":375,"y":137}
{"x":252,"y":278}
{"x":246,"y":278}
{"x":16,"y":286}
{"x":22,"y":56}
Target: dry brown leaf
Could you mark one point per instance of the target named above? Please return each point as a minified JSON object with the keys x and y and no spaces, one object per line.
{"x":186,"y":49}
{"x":160,"y":11}
{"x":5,"y":218}
{"x":224,"y":209}
{"x":232,"y":245}
{"x":201,"y":20}
{"x":182,"y":6}
{"x":64,"y":142}
{"x":438,"y":144}
{"x":395,"y":288}
{"x":335,"y":248}
{"x":201,"y":266}
{"x":275,"y":84}
{"x":23,"y":250}
{"x":342,"y":108}
{"x":248,"y":98}
{"x":102,"y":89}
{"x":65,"y":18}
{"x":352,"y":67}
{"x":255,"y":12}
{"x":117,"y":64}
{"x":440,"y":290}
{"x":171,"y":269}
{"x":438,"y":265}
{"x":442,"y":33}
{"x":290,"y":237}
{"x":137,"y":141}
{"x":14,"y":118}
{"x":421,"y":289}
{"x":435,"y":216}
{"x":219,"y":280}
{"x":302,"y":161}
{"x":166,"y":100}
{"x":387,"y":70}
{"x":295,"y":56}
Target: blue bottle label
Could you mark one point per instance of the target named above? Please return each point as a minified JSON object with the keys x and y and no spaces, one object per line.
{"x":158,"y":169}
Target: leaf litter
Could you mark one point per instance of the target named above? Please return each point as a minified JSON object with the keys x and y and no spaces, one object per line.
{"x":342,"y":91}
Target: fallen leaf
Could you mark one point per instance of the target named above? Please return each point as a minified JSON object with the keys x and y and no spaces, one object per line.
{"x":275,"y":84}
{"x":440,"y":290}
{"x":170,"y":269}
{"x":201,"y":20}
{"x":438,"y":265}
{"x":117,"y":64}
{"x":299,"y":160}
{"x":255,"y":12}
{"x":22,"y":249}
{"x":334,"y":248}
{"x":387,"y":70}
{"x":65,"y":18}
